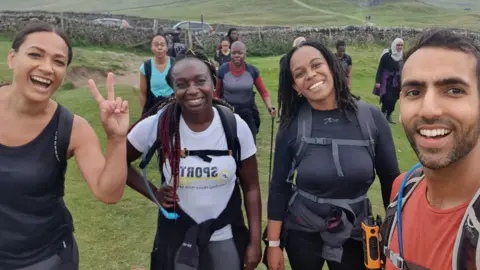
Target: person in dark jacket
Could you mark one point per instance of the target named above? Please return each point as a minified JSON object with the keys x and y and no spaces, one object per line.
{"x":38,"y":136}
{"x":388,"y":78}
{"x":205,"y":194}
{"x":223,"y":55}
{"x":312,"y":79}
{"x":232,"y":36}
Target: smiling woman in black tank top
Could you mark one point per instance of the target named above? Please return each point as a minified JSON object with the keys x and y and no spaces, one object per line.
{"x":37,"y":137}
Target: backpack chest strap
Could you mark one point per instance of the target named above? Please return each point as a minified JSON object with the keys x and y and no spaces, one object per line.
{"x":335,"y":143}
{"x":205,"y":154}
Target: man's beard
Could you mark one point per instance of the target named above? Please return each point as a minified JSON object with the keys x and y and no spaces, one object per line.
{"x":464,"y":140}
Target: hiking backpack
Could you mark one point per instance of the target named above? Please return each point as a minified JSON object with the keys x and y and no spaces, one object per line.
{"x":465,"y":254}
{"x":304,"y":132}
{"x":150,"y":99}
{"x":229,"y":123}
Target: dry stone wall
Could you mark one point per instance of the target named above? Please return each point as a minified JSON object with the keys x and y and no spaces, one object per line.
{"x":259,"y":42}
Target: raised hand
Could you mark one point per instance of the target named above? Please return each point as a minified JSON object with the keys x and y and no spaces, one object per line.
{"x":113,"y":111}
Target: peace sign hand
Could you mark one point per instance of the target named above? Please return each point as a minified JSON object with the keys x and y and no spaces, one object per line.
{"x":113,"y":111}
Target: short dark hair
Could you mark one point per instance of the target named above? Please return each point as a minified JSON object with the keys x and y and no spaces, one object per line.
{"x":156,"y":35}
{"x":41,"y":27}
{"x":289,"y":102}
{"x":340,"y":43}
{"x":446,"y":39}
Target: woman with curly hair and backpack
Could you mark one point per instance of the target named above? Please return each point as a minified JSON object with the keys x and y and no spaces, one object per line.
{"x":333,"y":145}
{"x":204,"y":148}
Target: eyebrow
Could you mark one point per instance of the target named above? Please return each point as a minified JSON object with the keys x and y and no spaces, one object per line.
{"x":316,"y":58}
{"x":438,"y":83}
{"x":43,"y":51}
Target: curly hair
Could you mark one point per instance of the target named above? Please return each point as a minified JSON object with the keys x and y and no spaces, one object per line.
{"x":288,"y":100}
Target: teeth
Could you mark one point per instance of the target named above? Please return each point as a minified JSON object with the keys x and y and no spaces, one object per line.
{"x":316,"y":85}
{"x":434,"y":132}
{"x":195,"y":101}
{"x":41,"y":80}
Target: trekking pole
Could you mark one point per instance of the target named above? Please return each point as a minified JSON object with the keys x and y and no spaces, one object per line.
{"x":271,"y":149}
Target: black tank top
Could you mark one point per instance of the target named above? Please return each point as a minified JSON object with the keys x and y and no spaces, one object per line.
{"x":34,"y":221}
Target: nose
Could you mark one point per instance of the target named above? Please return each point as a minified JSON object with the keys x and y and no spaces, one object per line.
{"x":311,"y":73}
{"x":46,"y":66}
{"x":192,"y":88}
{"x":431,"y":105}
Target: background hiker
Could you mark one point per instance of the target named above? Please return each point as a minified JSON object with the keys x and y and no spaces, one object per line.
{"x":296,"y":42}
{"x":223,"y":55}
{"x":153,"y":83}
{"x":37,"y":137}
{"x":345,"y":60}
{"x":235,"y":85}
{"x":232,"y":36}
{"x":177,"y":47}
{"x":338,"y":161}
{"x":440,"y":113}
{"x":387,"y":85}
{"x":203,"y":191}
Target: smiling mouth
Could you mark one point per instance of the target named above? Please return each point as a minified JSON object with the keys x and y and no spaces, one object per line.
{"x":42,"y":82}
{"x":434,"y":133}
{"x":195,"y":101}
{"x":316,"y":85}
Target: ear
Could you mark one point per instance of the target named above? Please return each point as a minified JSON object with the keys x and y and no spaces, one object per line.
{"x":10,"y":57}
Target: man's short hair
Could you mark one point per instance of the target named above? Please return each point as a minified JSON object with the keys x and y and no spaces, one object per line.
{"x":340,"y":43}
{"x":447,"y":39}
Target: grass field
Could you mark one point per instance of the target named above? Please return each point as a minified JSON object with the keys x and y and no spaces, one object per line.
{"x":120,"y":237}
{"x":279,"y":12}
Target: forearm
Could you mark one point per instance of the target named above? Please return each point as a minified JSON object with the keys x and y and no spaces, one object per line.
{"x":136,"y":182}
{"x":112,"y":179}
{"x":268,"y":102}
{"x":274,"y":230}
{"x":253,"y":207}
{"x":142,"y":99}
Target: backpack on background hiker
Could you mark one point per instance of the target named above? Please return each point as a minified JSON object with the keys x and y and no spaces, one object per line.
{"x":466,"y":254}
{"x":151,"y":100}
{"x":303,"y":139}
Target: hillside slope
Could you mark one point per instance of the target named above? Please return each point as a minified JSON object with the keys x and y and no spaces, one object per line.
{"x":420,"y":13}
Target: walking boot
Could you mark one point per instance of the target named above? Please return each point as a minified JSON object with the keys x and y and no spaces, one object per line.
{"x":390,"y":120}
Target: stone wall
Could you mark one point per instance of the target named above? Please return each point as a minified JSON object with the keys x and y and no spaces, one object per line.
{"x":264,"y":42}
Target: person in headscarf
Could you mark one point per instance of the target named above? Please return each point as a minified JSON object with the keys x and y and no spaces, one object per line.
{"x":387,"y":82}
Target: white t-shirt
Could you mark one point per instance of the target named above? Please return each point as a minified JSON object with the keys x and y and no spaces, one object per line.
{"x":205,"y":187}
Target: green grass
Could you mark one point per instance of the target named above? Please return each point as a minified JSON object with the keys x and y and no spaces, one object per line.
{"x":120,"y":237}
{"x":279,"y":12}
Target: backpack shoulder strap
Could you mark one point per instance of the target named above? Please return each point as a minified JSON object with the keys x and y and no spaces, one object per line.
{"x":466,"y":254}
{"x":147,"y":65}
{"x":304,"y":130}
{"x":229,"y":123}
{"x":367,"y":125}
{"x":63,"y":134}
{"x":390,"y":220}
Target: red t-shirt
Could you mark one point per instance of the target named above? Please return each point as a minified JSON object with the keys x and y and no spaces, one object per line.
{"x":428,"y":233}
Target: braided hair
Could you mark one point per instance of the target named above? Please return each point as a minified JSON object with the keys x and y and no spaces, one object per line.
{"x":289,"y":101}
{"x":170,"y":120}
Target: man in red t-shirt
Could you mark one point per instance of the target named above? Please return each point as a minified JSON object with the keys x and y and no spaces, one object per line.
{"x":440,"y":113}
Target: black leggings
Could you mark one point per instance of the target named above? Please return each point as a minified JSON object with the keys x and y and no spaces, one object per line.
{"x":304,"y":253}
{"x":389,"y":100}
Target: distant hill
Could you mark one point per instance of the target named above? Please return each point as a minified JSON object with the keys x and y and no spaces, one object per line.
{"x":416,"y":13}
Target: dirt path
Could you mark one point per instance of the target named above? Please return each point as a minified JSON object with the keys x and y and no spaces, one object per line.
{"x":300,"y":3}
{"x":130,"y":75}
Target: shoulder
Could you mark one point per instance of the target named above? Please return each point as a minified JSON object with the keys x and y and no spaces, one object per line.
{"x":223,"y":69}
{"x":396,"y":186}
{"x":252,"y":69}
{"x":376,"y":113}
{"x":144,"y":133}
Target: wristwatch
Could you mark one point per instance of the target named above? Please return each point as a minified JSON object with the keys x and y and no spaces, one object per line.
{"x":274,"y":243}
